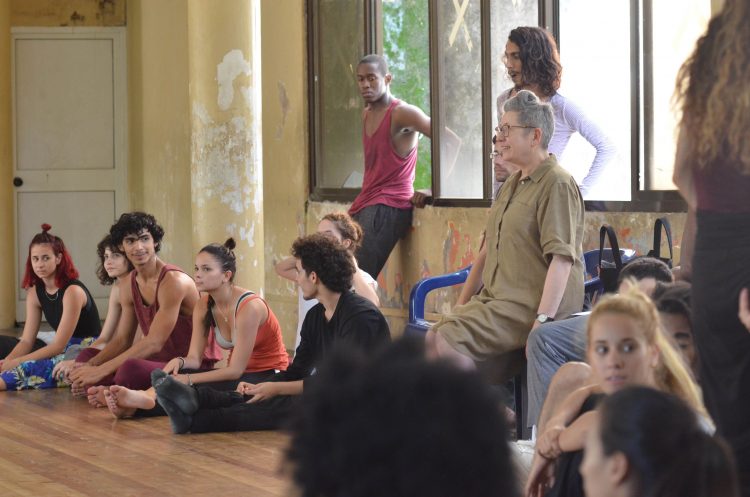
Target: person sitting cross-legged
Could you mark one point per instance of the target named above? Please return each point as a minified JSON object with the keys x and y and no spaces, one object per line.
{"x":324,"y":272}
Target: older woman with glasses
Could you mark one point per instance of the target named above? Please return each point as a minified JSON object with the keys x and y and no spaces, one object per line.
{"x":531,"y":264}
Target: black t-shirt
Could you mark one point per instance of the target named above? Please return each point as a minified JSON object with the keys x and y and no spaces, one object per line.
{"x":88,"y":324}
{"x":356,"y":322}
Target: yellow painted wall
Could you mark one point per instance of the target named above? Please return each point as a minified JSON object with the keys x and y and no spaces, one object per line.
{"x":7,"y":252}
{"x":285,"y":152}
{"x":159,"y":121}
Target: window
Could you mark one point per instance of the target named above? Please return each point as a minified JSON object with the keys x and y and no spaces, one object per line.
{"x":620,"y":61}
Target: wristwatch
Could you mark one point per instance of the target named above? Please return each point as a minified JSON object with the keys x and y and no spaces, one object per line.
{"x":543,"y":318}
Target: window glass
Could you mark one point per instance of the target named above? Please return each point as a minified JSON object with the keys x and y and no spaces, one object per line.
{"x":595,"y":55}
{"x":460,"y":89}
{"x":674,"y":34}
{"x":339,"y":140}
{"x":406,"y":47}
{"x":504,"y":16}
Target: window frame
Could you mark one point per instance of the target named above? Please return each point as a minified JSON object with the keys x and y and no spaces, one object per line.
{"x":641,"y":61}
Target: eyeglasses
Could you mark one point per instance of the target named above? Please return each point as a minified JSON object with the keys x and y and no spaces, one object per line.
{"x":504,"y":130}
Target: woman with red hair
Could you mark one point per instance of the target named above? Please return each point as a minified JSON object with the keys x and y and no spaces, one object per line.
{"x":52,"y":290}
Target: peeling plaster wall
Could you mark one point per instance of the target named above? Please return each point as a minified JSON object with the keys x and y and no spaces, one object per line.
{"x":68,"y":12}
{"x":226,"y":134}
{"x":285,"y":155}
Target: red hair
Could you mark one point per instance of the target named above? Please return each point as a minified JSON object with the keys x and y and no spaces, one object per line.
{"x":64,"y":272}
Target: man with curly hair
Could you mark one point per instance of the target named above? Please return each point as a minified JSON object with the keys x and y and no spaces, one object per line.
{"x":160,"y":300}
{"x":324,"y":272}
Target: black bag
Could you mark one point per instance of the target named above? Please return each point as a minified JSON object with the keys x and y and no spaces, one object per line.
{"x":655,"y":252}
{"x":609,"y":271}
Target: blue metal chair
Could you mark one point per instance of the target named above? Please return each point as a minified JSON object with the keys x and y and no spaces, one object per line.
{"x":417,"y":325}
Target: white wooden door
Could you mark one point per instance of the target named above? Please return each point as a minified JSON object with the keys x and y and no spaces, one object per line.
{"x":70,"y":139}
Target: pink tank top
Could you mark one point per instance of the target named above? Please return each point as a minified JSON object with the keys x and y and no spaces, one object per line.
{"x":178,"y":343}
{"x":389,"y":178}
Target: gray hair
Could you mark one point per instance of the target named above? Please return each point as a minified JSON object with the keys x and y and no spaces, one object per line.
{"x":533,"y":112}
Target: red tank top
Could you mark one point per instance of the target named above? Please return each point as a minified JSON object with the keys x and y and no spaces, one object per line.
{"x":178,"y":343}
{"x":389,"y":178}
{"x":268,"y":351}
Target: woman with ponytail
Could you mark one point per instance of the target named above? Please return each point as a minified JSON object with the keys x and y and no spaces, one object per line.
{"x":52,"y":291}
{"x":626,"y":347}
{"x":227,"y":315}
{"x":646,"y":443}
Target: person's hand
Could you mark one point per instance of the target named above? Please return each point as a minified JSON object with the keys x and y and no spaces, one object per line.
{"x":87,"y":376}
{"x":744,"y":313}
{"x":243,"y":387}
{"x":541,"y":476}
{"x":9,"y":364}
{"x":548,"y":444}
{"x":173,"y":366}
{"x":262,"y":391}
{"x":420,"y":199}
{"x":63,"y":368}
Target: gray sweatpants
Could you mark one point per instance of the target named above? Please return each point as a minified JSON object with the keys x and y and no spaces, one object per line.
{"x":548,"y":347}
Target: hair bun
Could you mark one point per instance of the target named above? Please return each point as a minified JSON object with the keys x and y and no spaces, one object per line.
{"x":230,"y":243}
{"x":46,"y":227}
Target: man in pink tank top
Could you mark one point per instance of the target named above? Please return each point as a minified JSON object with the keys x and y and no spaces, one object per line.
{"x":390,"y":131}
{"x":161,"y":301}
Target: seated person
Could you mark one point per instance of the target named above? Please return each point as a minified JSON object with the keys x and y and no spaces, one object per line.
{"x":113,"y":269}
{"x":553,"y":344}
{"x":160,"y":300}
{"x":52,"y":290}
{"x":675,"y":314}
{"x":348,"y":232}
{"x":646,"y":442}
{"x":370,"y":428}
{"x":536,"y":223}
{"x":324,"y":272}
{"x":625,"y":347}
{"x":227,"y":315}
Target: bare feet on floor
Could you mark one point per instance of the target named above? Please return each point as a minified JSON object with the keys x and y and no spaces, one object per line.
{"x":123,"y":402}
{"x":77,"y":390}
{"x":95,"y":396}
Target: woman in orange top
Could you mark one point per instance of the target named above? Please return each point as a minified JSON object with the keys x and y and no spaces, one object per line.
{"x":226,"y":316}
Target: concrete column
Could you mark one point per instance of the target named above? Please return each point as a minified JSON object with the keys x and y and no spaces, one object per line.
{"x":7,"y":253}
{"x":226,"y":137}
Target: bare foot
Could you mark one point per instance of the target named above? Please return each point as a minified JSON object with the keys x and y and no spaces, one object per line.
{"x":95,"y":396}
{"x":77,"y":390}
{"x":123,"y":402}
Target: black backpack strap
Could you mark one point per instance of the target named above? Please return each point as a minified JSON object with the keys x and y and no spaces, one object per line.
{"x":660,"y":223}
{"x":610,"y":233}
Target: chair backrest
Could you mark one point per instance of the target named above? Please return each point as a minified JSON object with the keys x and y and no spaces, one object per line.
{"x":591,"y":260}
{"x":423,"y":287}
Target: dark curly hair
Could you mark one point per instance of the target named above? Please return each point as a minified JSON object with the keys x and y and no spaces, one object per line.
{"x":132,"y":223}
{"x":539,"y":58}
{"x":327,"y":258}
{"x":399,"y":426}
{"x":101,"y":247}
{"x":64,"y":272}
{"x":224,"y":255}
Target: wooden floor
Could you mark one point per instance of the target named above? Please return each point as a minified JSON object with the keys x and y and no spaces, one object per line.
{"x":54,"y":445}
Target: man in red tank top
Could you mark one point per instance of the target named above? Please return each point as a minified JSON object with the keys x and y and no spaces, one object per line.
{"x":161,"y":301}
{"x":390,"y":131}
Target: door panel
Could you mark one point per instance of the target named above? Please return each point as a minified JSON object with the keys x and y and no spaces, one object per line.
{"x":69,"y":129}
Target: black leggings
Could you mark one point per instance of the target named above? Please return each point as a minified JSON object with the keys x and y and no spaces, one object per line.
{"x":7,"y":344}
{"x":226,"y":385}
{"x":229,"y":411}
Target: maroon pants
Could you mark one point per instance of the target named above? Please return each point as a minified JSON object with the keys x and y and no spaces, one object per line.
{"x":133,"y":373}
